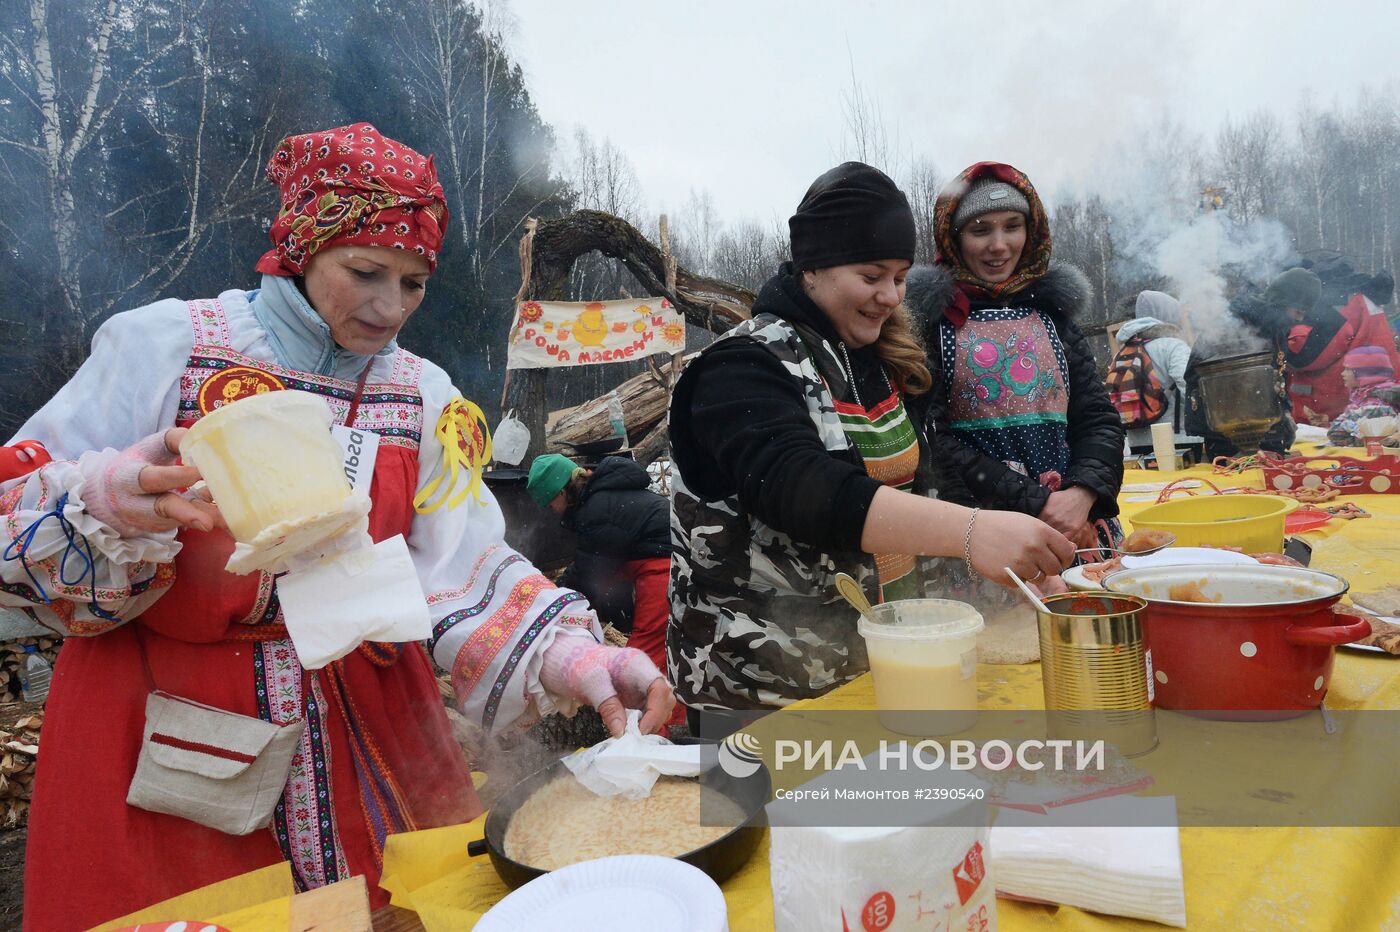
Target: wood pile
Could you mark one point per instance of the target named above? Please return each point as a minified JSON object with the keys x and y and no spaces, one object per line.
{"x":644,"y":400}
{"x":12,"y":663}
{"x":19,"y":750}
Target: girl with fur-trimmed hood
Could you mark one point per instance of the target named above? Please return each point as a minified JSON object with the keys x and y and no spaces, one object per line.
{"x":1019,"y":415}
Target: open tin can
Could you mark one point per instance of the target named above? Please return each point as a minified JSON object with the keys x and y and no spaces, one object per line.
{"x":1096,"y":670}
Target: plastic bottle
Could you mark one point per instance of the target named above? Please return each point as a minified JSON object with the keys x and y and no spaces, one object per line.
{"x":34,"y":678}
{"x":616,"y":416}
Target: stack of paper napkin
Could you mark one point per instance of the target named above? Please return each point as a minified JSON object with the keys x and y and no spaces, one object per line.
{"x":1120,"y":856}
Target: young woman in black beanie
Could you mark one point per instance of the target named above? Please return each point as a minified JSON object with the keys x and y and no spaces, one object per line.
{"x":795,"y":460}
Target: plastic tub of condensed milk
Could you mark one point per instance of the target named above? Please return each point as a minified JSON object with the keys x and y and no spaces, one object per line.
{"x":923,"y":658}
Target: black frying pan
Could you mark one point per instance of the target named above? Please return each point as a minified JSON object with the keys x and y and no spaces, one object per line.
{"x":720,"y":858}
{"x":596,"y":447}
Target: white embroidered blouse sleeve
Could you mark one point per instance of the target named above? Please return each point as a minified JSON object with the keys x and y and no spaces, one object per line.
{"x":128,"y":388}
{"x":493,"y":613}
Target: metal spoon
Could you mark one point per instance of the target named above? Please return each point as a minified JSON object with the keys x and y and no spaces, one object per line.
{"x":850,"y":591}
{"x":1328,"y":724}
{"x":1030,"y":594}
{"x":1171,"y":539}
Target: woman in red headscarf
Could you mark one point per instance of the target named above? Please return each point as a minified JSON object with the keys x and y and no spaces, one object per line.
{"x":100,"y":546}
{"x":1019,"y":413}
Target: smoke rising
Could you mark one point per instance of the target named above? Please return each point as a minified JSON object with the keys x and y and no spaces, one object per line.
{"x":1166,"y":233}
{"x":1203,"y":256}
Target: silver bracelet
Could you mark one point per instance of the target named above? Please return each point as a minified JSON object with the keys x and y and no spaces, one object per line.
{"x":967,"y":544}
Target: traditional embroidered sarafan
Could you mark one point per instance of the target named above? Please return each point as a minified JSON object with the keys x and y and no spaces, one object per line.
{"x":377,"y":755}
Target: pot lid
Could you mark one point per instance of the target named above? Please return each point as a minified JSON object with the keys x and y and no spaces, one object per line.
{"x":1235,"y":586}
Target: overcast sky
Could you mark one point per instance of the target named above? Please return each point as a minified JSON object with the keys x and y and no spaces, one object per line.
{"x":745,"y":98}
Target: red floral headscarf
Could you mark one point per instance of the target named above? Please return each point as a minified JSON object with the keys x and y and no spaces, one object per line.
{"x":1035,"y":258}
{"x":352,"y":186}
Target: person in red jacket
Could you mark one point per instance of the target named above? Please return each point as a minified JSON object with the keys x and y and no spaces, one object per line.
{"x":1320,"y":338}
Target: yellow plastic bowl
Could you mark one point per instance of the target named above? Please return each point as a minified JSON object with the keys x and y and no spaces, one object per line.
{"x":1254,"y":523}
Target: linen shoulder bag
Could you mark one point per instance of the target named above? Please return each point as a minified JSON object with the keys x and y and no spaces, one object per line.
{"x":220,"y":769}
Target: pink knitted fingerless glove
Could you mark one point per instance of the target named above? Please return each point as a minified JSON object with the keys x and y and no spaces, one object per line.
{"x":112,"y":487}
{"x":593,"y":673}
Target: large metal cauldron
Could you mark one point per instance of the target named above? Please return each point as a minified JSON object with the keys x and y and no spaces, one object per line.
{"x":1242,"y":396}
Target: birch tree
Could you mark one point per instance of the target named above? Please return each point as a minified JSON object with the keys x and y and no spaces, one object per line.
{"x":868,"y":138}
{"x":84,"y":91}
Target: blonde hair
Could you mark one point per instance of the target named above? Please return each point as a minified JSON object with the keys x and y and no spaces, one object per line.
{"x":902,"y":353}
{"x":578,"y":481}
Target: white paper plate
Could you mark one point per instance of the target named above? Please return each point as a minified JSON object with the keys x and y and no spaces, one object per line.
{"x":1393,"y":619}
{"x":1159,"y":486}
{"x":627,"y":893}
{"x":1074,"y":578}
{"x":1172,"y":556}
{"x":1187,"y":556}
{"x":1369,"y":648}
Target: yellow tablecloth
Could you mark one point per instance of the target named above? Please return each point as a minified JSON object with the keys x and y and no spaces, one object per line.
{"x":1236,"y":879}
{"x":1364,"y":551}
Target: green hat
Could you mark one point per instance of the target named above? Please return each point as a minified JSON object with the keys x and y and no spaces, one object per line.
{"x":548,"y":476}
{"x":1295,"y":288}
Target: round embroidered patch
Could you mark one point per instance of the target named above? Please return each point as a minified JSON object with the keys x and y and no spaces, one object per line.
{"x":232,"y":384}
{"x":472,"y":441}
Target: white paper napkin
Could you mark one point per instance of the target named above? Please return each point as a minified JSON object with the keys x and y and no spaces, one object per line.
{"x":1112,"y":861}
{"x":630,"y":765}
{"x":365,"y":595}
{"x":1376,"y":428}
{"x":1311,"y":432}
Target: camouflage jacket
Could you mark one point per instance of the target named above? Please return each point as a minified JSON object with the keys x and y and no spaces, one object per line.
{"x":755,"y":618}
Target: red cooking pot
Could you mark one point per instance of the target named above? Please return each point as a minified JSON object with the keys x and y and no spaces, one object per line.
{"x":1260,"y":647}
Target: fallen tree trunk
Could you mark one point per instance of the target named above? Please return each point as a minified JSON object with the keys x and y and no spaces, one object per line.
{"x":644,"y":398}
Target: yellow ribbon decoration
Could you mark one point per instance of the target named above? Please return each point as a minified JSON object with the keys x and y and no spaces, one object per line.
{"x":466,"y":443}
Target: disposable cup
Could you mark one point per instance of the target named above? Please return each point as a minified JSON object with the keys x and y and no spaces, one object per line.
{"x":1164,"y":446}
{"x":269,"y":460}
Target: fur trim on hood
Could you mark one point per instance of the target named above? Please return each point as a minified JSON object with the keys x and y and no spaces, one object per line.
{"x":1063,"y":291}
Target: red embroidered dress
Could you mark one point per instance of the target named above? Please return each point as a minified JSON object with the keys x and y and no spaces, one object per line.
{"x":377,"y":755}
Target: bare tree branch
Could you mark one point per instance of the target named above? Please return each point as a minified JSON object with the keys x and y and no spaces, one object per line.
{"x":25,"y":147}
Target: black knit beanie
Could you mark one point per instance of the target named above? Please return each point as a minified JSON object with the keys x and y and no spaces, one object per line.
{"x":852,"y":213}
{"x":1294,"y":288}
